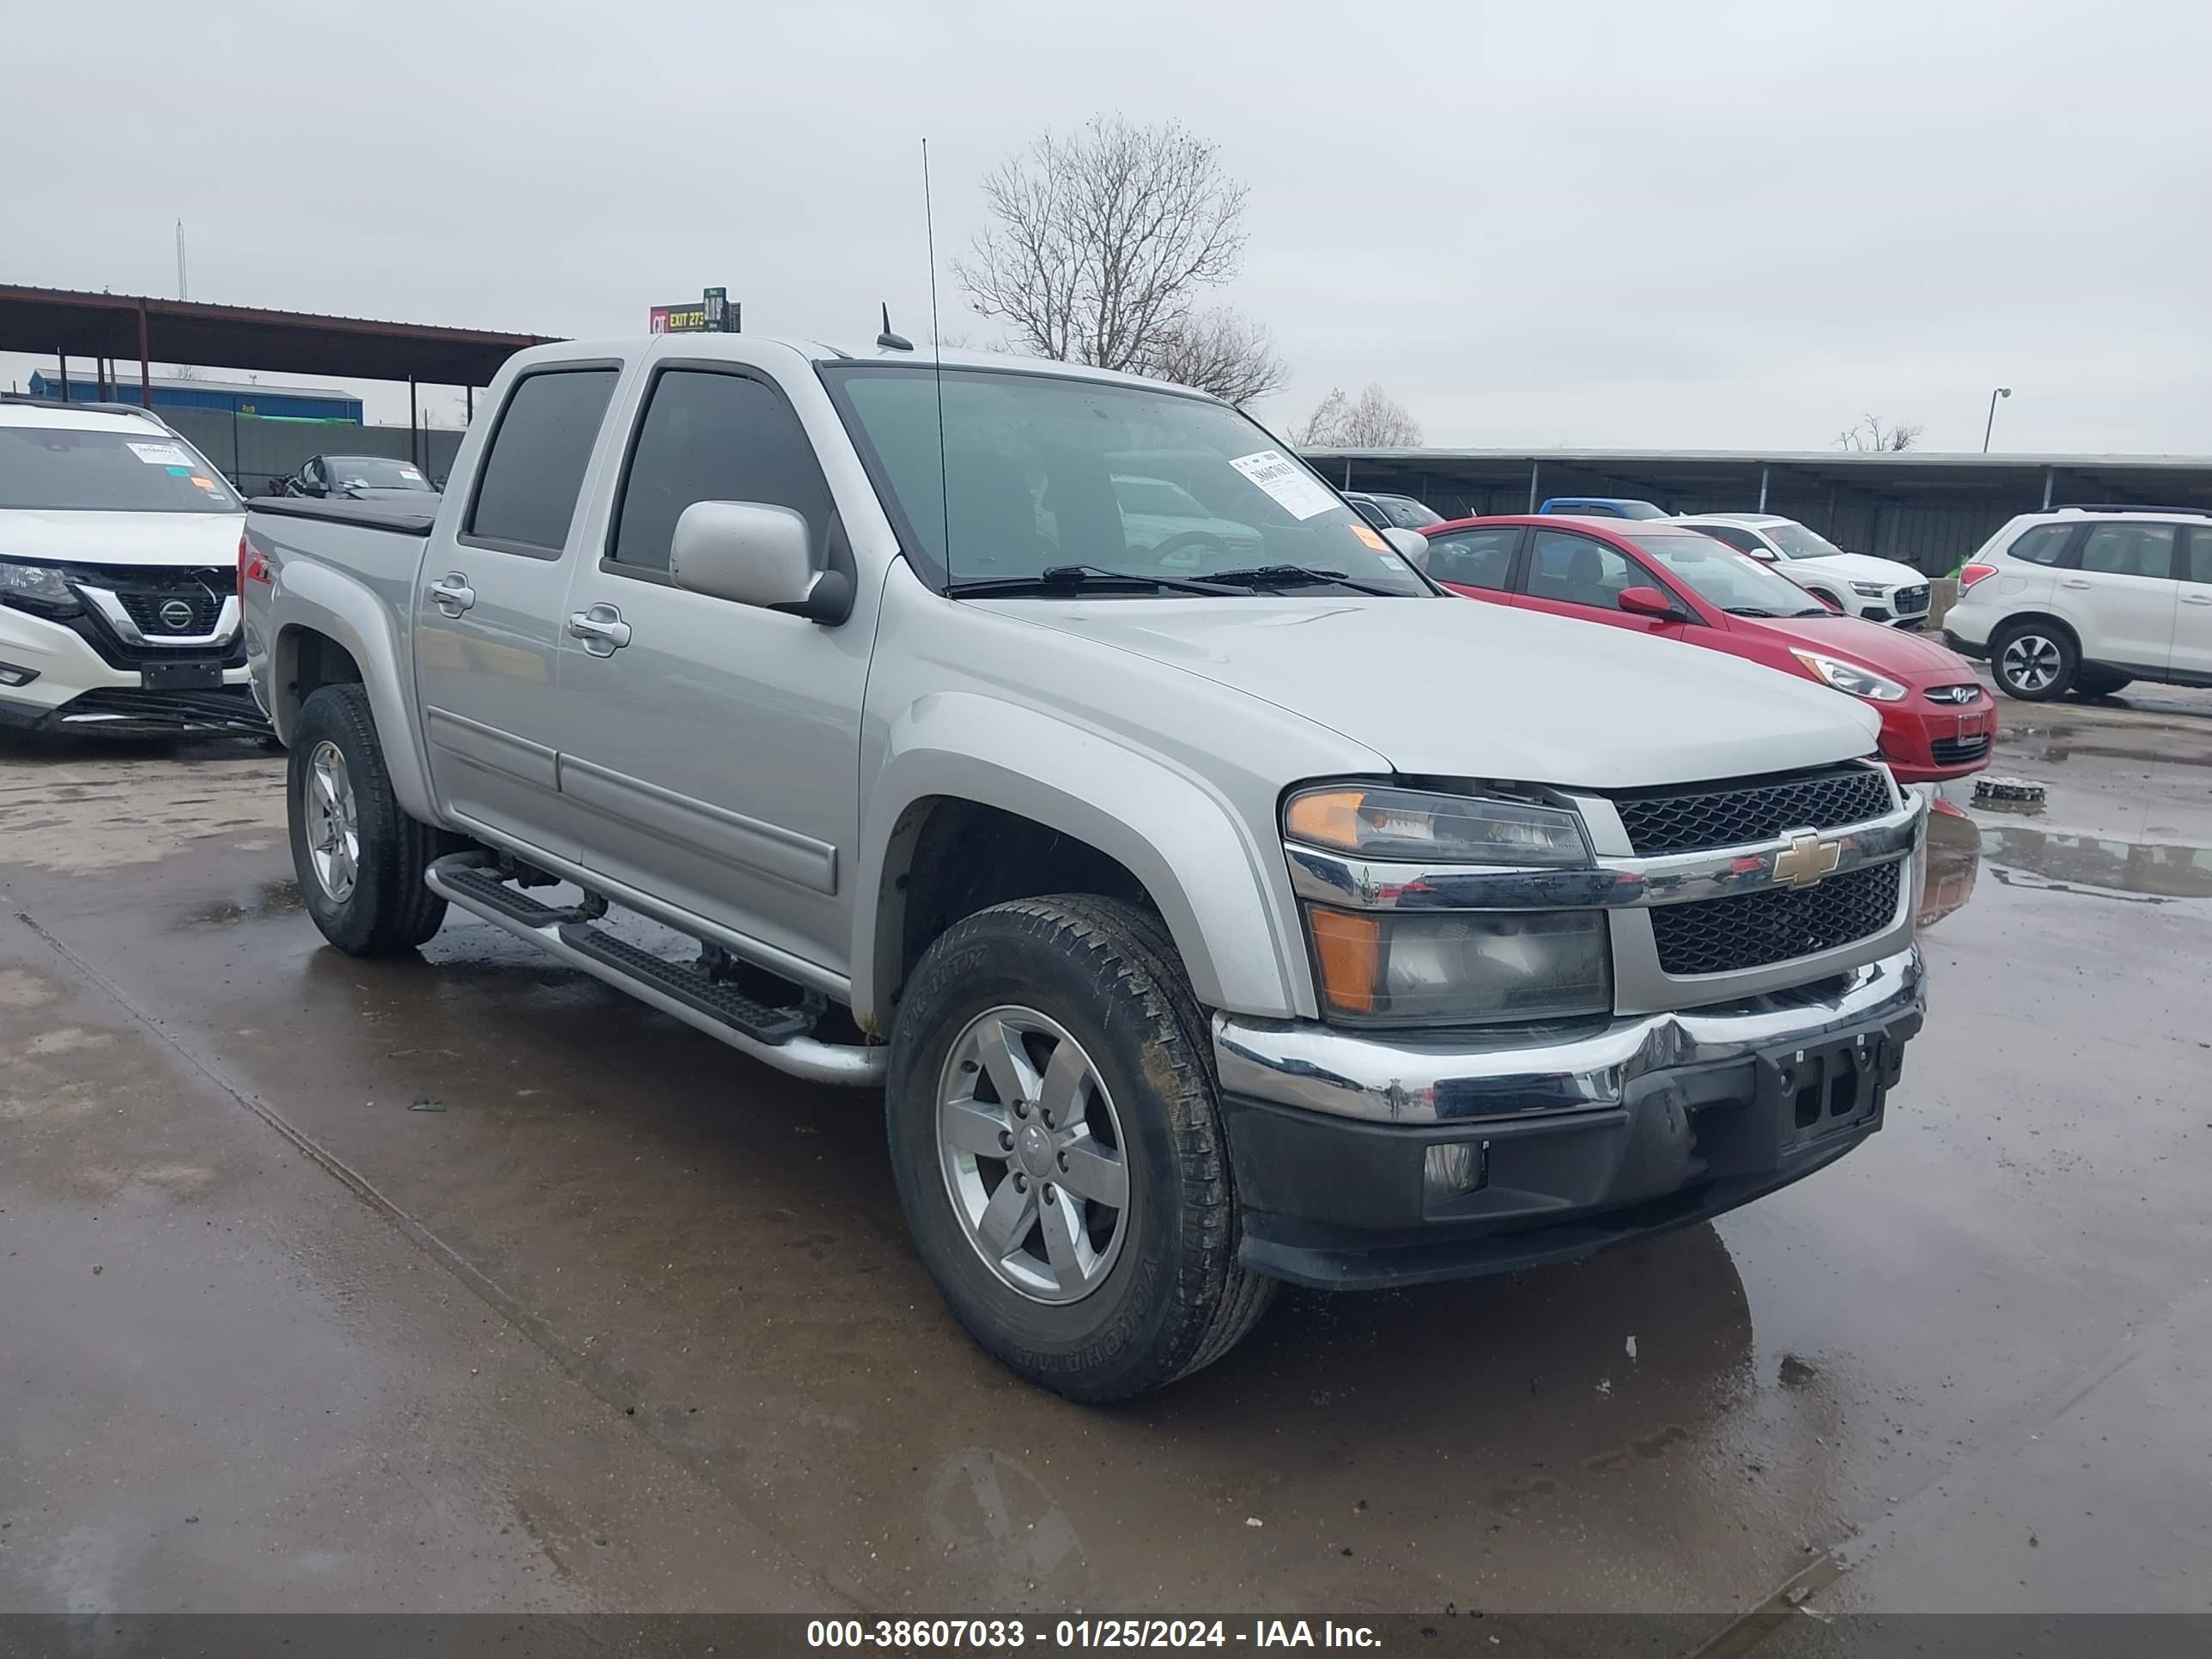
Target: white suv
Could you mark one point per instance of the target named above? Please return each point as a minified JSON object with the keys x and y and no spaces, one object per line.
{"x":2088,"y":598}
{"x":1857,"y":584}
{"x":119,"y":577}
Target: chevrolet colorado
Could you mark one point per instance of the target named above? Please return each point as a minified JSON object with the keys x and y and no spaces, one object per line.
{"x":1215,"y":906}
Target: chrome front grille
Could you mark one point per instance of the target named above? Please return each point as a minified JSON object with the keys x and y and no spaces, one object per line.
{"x":1739,"y":812}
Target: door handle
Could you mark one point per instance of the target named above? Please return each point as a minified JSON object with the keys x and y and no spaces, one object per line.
{"x":2196,"y":598}
{"x":2075,"y":584}
{"x":601,"y":629}
{"x":451,"y":593}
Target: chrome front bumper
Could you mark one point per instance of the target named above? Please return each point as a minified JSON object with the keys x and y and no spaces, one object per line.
{"x":1414,"y":1078}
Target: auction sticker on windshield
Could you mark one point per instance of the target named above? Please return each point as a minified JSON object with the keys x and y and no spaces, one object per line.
{"x":1301,"y":494}
{"x":162,"y":455}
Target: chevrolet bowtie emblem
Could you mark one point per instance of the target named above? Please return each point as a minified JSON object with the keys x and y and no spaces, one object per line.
{"x":1805,"y":859}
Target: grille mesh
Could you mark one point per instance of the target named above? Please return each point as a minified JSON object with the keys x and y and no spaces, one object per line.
{"x":145,"y":609}
{"x":1755,"y":930}
{"x":1733,"y":815}
{"x":1910,"y":600}
{"x":1957,"y":751}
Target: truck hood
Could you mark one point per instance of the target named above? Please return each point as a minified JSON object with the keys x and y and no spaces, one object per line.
{"x":1859,"y":568}
{"x":1451,"y":689}
{"x":51,"y":536}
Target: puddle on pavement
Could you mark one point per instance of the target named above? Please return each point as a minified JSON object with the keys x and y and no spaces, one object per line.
{"x":1954,"y":858}
{"x":2063,"y":862}
{"x":271,"y":899}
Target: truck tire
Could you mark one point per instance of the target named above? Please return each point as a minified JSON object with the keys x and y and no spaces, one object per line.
{"x":1077,"y":1006}
{"x":2033,"y":661}
{"x":360,"y":859}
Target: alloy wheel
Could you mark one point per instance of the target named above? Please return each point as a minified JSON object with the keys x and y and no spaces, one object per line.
{"x":2030,"y":662}
{"x":333,"y":823}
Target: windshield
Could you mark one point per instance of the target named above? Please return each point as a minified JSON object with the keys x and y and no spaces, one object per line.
{"x":1798,"y":543}
{"x":1722,"y":576}
{"x":373,"y":472}
{"x":72,"y":469}
{"x":1041,"y":473}
{"x":1407,"y":514}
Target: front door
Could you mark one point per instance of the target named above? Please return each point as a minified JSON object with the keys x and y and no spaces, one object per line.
{"x":713,"y":748}
{"x":1571,"y":574}
{"x":2121,"y":594}
{"x":487,"y":613}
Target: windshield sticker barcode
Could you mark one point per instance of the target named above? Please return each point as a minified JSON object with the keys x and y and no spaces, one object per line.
{"x":1301,"y":495}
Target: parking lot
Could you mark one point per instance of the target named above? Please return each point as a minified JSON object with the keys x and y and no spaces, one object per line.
{"x":465,"y":1281}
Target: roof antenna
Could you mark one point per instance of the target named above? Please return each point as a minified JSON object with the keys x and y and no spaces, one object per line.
{"x":889,"y":341}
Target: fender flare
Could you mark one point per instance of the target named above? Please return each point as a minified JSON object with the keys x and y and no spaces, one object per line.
{"x":313,"y":597}
{"x":1227,"y":901}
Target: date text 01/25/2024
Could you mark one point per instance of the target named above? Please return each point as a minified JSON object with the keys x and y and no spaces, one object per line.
{"x":1006,"y":1633}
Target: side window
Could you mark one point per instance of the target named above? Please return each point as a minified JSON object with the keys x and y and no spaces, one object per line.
{"x":2042,"y":545}
{"x":1576,"y":570}
{"x":533,"y":471}
{"x":714,"y":437}
{"x":1373,"y":514}
{"x":1735,"y":536}
{"x":2129,"y":549}
{"x":1473,"y":558}
{"x":2198,"y":568}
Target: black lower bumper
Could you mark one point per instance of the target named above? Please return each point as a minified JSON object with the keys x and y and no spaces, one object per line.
{"x":221,"y":711}
{"x":1966,"y":647}
{"x":1341,"y":1204}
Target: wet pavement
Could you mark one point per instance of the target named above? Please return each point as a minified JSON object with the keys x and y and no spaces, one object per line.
{"x":465,"y":1281}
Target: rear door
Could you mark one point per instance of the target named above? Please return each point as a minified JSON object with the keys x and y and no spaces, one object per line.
{"x":1478,"y":563}
{"x":2192,"y":616}
{"x":488,"y":611}
{"x":1571,"y":575}
{"x":2120,"y":593}
{"x":716,"y":748}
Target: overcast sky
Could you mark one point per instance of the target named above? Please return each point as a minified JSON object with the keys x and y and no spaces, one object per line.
{"x":1644,"y":225}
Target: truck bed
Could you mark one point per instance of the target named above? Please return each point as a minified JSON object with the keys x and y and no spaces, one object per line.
{"x":365,"y":515}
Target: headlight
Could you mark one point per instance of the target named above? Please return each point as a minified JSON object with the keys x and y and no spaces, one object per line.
{"x":1850,"y":677}
{"x":1403,"y":823}
{"x":37,"y":587}
{"x":1869,"y":590}
{"x":1447,"y":967}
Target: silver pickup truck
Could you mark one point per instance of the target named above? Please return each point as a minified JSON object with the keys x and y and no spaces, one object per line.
{"x":1215,"y":906}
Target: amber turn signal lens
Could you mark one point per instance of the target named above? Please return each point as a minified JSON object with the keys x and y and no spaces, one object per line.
{"x":1350,"y":949}
{"x":1327,"y":817}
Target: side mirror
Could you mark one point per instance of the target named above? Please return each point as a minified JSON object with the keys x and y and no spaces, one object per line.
{"x":1647,"y":602}
{"x":750,"y":553}
{"x":1763,"y":554}
{"x":1410,"y":545}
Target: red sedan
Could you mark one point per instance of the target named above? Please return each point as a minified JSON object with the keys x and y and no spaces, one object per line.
{"x":1937,"y":721}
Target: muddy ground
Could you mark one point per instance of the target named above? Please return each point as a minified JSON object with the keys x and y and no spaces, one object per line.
{"x":464,"y":1282}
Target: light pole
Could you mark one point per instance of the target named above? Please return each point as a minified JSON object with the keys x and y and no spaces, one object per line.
{"x":1990,"y":425}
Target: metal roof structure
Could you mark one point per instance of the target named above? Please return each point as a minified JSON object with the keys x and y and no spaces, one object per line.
{"x":82,"y":378}
{"x":143,"y":329}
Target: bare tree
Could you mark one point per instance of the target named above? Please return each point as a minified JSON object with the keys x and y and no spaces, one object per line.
{"x":1374,"y":420}
{"x":1871,"y":434}
{"x":1104,"y":240}
{"x":1218,"y":351}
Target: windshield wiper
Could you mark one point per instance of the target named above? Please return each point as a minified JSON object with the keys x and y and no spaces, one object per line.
{"x":1753,"y":611}
{"x":1274,"y":575}
{"x":1067,"y":578}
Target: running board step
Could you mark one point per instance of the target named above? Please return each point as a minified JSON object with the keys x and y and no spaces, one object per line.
{"x":471,"y":882}
{"x":485,"y":887}
{"x":758,"y":1020}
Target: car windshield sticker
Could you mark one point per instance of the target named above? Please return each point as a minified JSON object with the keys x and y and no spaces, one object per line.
{"x":162,"y":455}
{"x":1368,"y":538}
{"x":1300,"y":493}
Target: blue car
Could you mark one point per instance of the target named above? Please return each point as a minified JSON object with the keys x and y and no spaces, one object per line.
{"x":1602,"y":507}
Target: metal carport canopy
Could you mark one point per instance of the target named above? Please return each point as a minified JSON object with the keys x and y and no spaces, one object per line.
{"x":140,"y":328}
{"x":1906,"y":476}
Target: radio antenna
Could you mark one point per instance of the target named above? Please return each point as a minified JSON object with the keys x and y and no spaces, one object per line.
{"x":936,"y":363}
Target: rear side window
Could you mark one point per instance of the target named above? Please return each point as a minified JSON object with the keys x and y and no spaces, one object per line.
{"x":533,"y":470}
{"x":2043,"y":545}
{"x":714,"y":437}
{"x":2129,"y":549}
{"x":1473,"y":558}
{"x":2198,"y":567}
{"x":1732,"y":535}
